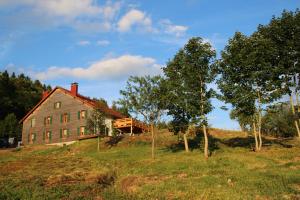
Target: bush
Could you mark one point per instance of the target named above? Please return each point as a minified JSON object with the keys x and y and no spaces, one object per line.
{"x":278,"y":121}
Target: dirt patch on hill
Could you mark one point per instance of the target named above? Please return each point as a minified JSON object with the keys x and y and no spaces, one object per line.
{"x":131,"y":184}
{"x":13,"y":166}
{"x":103,"y":180}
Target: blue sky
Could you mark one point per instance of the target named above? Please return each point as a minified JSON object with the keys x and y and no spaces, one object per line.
{"x":99,"y":44}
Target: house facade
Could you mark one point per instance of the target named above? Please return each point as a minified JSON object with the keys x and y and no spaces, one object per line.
{"x":61,"y":116}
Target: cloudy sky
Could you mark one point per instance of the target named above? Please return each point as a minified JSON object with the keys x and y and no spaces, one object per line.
{"x":99,"y":43}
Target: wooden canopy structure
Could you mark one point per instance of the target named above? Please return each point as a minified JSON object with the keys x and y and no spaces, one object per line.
{"x":130,"y":125}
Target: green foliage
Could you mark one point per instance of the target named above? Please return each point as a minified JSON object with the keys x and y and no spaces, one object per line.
{"x":278,"y":121}
{"x":246,"y":71}
{"x":101,"y":101}
{"x":187,"y":97}
{"x":283,"y":32}
{"x":243,"y":120}
{"x":142,"y":96}
{"x":96,"y":122}
{"x":261,"y":68}
{"x":19,"y":94}
{"x":10,"y":127}
{"x":120,"y":108}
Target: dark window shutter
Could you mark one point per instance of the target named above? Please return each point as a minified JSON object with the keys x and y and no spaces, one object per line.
{"x":60,"y":132}
{"x":85,"y":132}
{"x":28,"y":137}
{"x":69,"y":116}
{"x":78,"y":115}
{"x":51,"y":120}
{"x":61,"y":118}
{"x":78,"y":131}
{"x":43,"y":135}
{"x":68,"y":132}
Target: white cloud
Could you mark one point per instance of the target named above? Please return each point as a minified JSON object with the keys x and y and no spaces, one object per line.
{"x":86,"y":16}
{"x":102,"y":42}
{"x":83,"y":43}
{"x":110,"y":10}
{"x":135,"y":18}
{"x":172,"y":29}
{"x":64,"y":8}
{"x":83,"y":15}
{"x":111,"y":68}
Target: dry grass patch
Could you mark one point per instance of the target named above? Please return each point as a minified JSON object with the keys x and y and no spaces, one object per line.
{"x":132,"y":184}
{"x":222,"y":133}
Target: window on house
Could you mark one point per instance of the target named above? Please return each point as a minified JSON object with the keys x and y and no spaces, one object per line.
{"x":33,"y":137}
{"x":65,"y":133}
{"x":33,"y":122}
{"x":48,"y":120}
{"x":82,"y":114}
{"x":64,"y":118}
{"x":57,"y":105}
{"x":47,"y":136}
{"x":82,"y":130}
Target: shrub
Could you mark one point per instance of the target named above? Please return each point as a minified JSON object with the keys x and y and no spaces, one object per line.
{"x":278,"y":121}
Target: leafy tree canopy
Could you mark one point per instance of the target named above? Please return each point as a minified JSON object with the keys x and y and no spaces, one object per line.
{"x":187,"y":97}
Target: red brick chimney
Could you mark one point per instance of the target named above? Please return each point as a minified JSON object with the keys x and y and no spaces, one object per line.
{"x":74,"y":88}
{"x":45,"y":94}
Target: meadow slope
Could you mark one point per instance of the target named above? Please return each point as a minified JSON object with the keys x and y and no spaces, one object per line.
{"x":123,"y":169}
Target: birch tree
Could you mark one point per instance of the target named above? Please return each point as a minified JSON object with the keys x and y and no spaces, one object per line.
{"x":142,"y":96}
{"x":249,"y":78}
{"x":187,"y":77}
{"x":284,"y":32}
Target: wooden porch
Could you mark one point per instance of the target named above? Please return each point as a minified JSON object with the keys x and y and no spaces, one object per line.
{"x":130,"y":125}
{"x":84,"y":137}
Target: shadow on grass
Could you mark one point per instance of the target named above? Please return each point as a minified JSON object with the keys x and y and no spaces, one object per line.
{"x":243,"y":142}
{"x":195,"y":143}
{"x":113,"y":141}
{"x":249,"y":142}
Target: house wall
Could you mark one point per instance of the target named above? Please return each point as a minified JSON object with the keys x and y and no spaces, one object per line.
{"x":69,"y":104}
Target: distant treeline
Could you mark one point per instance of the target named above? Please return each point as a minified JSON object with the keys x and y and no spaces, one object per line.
{"x":18,"y":95}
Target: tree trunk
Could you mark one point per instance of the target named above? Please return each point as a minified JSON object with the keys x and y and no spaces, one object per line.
{"x":205,"y":142}
{"x":186,"y":144}
{"x":243,"y":129}
{"x":293,"y":111}
{"x":152,"y":134}
{"x":203,"y":121}
{"x":298,"y":105}
{"x":255,"y":136}
{"x":259,"y":132}
{"x":259,"y":122}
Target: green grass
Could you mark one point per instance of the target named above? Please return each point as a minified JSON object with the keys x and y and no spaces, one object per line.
{"x":126,"y":171}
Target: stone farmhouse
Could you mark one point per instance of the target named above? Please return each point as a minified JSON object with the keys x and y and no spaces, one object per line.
{"x":61,"y":116}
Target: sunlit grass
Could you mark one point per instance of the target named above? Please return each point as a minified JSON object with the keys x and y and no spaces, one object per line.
{"x":126,"y":171}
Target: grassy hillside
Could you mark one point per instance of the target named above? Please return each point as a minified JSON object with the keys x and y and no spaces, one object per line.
{"x":123,"y":169}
